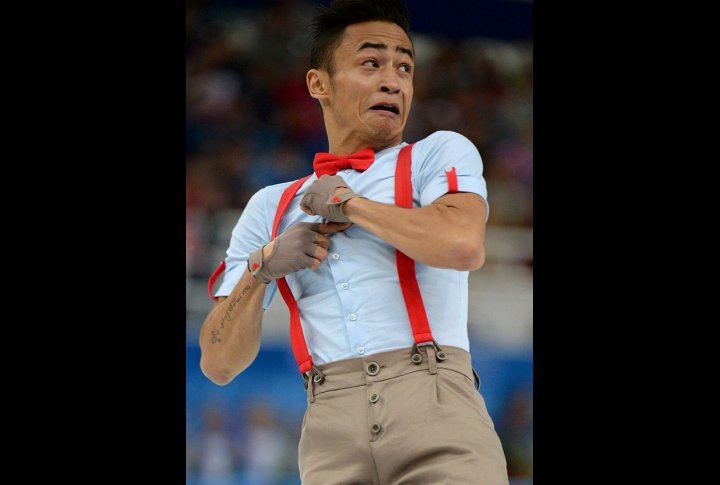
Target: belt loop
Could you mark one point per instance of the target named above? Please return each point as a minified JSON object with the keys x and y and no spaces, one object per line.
{"x":307,"y":376}
{"x":432,"y":361}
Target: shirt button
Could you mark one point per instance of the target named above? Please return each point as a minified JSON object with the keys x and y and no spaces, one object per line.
{"x":344,"y":286}
{"x":361,"y":350}
{"x":353,"y":317}
{"x":336,"y":256}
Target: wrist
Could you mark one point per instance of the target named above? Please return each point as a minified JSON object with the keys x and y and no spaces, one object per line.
{"x":351,"y":207}
{"x":267,"y":250}
{"x":256,"y":265}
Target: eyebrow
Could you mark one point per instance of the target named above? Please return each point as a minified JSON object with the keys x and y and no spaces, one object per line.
{"x":370,"y":45}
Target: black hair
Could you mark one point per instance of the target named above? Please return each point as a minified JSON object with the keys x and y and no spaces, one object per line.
{"x":330,"y":23}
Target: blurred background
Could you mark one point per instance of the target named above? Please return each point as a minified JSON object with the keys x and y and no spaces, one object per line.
{"x":251,"y":123}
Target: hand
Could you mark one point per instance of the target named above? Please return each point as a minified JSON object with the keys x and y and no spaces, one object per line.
{"x":326,"y":196}
{"x":302,"y":246}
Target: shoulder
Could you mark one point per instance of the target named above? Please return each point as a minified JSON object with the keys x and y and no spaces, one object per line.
{"x":259,"y":211}
{"x":263,"y":201}
{"x":442,"y":139}
{"x":270,"y":194}
{"x":275,"y":190}
{"x":442,"y":146}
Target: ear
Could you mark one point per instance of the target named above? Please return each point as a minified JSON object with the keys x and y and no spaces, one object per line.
{"x":318,"y":83}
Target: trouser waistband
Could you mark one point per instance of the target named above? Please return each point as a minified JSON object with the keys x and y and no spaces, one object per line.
{"x":386,"y":365}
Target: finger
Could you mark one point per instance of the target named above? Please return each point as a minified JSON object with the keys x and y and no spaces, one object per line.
{"x":320,"y":253}
{"x":307,"y":210}
{"x":311,"y":263}
{"x":312,"y":226}
{"x":322,"y":241}
{"x":311,"y":250}
{"x":332,"y":227}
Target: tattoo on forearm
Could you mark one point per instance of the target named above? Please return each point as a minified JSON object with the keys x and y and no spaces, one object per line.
{"x":226,"y":318}
{"x":215,"y":336}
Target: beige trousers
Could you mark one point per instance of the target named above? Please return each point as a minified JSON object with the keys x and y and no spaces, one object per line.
{"x":382,"y":419}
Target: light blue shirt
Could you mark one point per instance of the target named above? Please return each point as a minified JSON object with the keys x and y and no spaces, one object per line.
{"x":352,"y":304}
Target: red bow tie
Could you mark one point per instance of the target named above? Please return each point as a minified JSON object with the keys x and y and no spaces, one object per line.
{"x":327,"y":163}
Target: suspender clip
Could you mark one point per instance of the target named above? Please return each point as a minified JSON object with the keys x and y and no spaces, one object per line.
{"x":417,"y":356}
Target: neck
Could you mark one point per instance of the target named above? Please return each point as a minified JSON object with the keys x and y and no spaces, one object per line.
{"x":346,"y":147}
{"x":347,"y":143}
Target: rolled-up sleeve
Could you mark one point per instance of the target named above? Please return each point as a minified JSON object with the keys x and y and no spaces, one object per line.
{"x":436,"y":156}
{"x":250,"y":233}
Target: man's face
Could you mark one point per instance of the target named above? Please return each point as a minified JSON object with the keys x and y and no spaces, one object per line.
{"x":372,"y":86}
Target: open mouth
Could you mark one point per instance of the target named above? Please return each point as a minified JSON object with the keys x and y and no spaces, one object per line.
{"x":392,"y":108}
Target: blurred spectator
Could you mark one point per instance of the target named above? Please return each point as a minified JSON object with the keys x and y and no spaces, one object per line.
{"x":267,"y":452}
{"x":217,"y":460}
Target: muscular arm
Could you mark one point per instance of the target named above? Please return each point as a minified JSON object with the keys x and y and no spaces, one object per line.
{"x":449,"y":233}
{"x":230,"y":335}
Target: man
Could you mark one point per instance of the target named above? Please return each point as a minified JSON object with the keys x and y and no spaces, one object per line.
{"x":377,"y":291}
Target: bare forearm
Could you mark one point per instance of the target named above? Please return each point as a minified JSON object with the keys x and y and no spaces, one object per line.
{"x":436,"y":234}
{"x":230,"y":335}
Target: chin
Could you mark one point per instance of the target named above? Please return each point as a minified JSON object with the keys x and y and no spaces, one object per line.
{"x":385,"y":134}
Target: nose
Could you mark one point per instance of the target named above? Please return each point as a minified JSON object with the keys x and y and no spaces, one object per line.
{"x":391,"y":88}
{"x":389,"y":82}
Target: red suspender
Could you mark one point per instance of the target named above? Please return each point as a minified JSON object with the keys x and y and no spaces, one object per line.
{"x":452,"y":179}
{"x":213,"y":277}
{"x":405,"y":265}
{"x":297,"y":338}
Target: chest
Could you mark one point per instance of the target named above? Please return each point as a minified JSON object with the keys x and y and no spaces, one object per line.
{"x":377,"y":183}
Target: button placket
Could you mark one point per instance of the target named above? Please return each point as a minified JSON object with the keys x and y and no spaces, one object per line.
{"x":349,"y":304}
{"x":375,"y":414}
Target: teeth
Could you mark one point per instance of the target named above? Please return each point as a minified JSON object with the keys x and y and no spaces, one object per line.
{"x":388,"y":106}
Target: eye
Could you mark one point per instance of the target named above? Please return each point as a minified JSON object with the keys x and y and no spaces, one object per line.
{"x":372,"y":62}
{"x":406,"y":68}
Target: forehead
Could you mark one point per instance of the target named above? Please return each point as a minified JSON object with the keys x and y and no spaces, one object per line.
{"x":375,"y":31}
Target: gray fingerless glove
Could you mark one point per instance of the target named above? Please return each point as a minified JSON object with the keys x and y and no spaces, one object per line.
{"x":319,"y":198}
{"x":293,"y":250}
